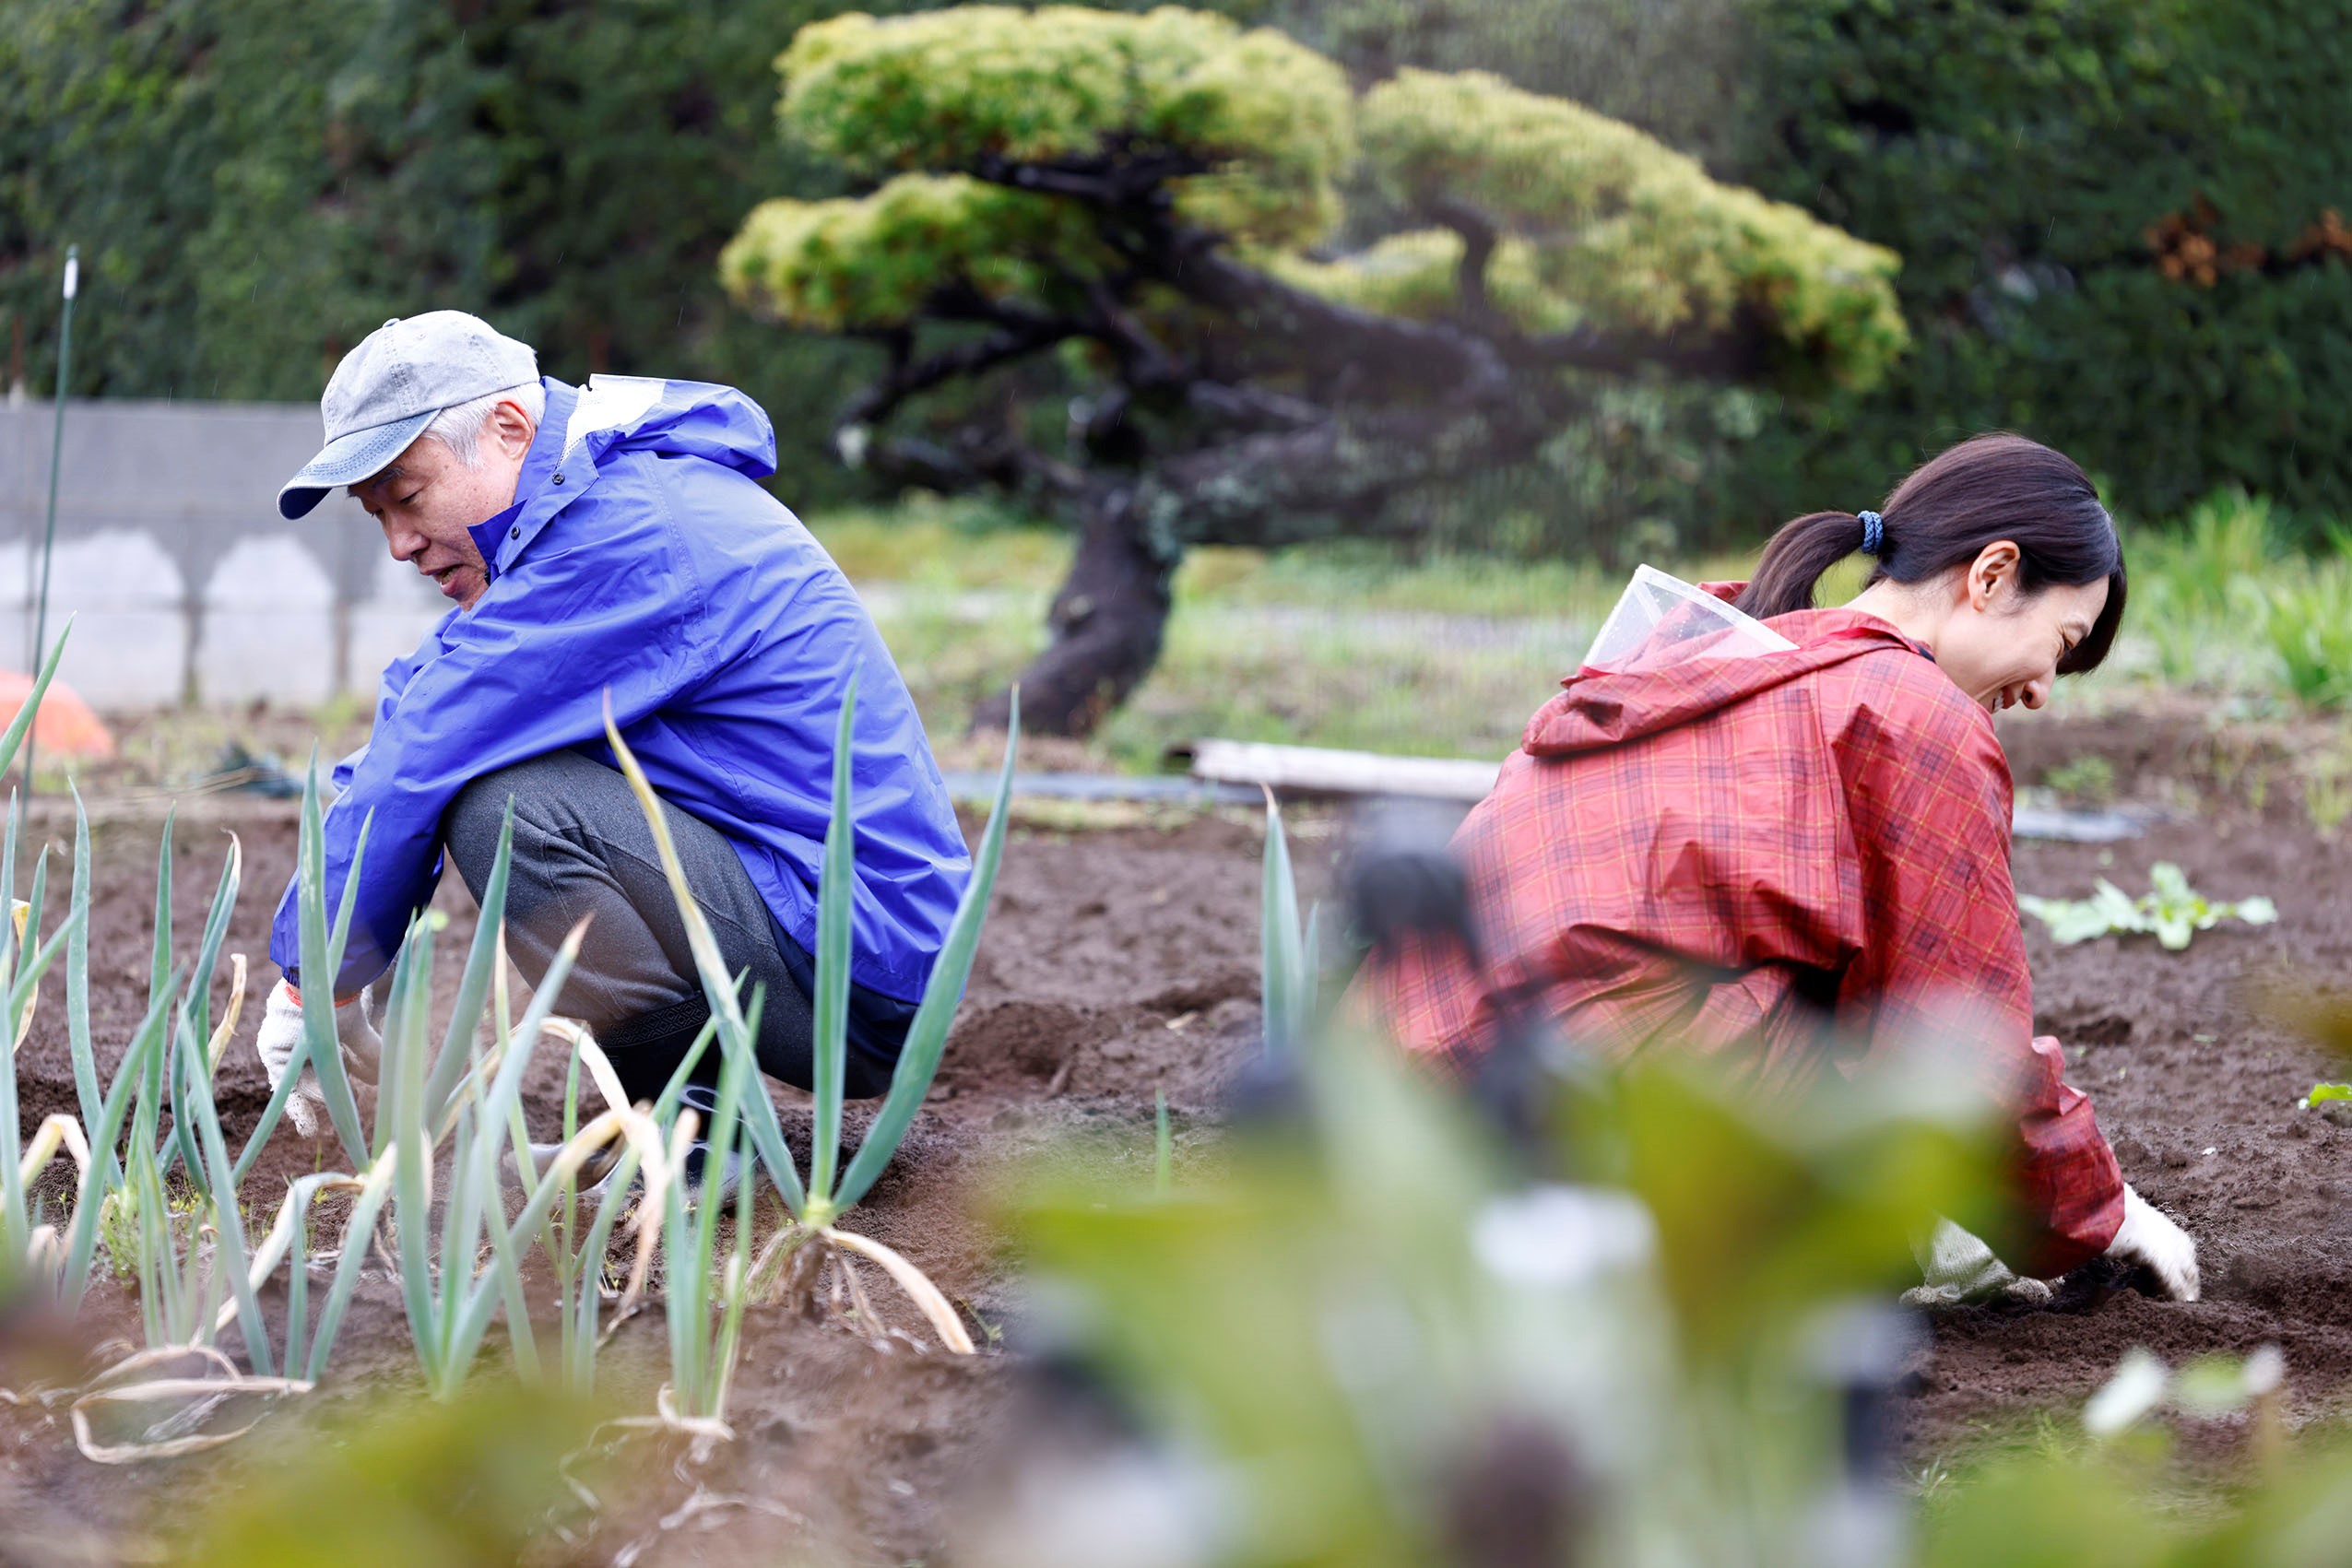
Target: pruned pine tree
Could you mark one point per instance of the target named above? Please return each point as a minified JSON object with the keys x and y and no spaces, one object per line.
{"x":1156,"y":201}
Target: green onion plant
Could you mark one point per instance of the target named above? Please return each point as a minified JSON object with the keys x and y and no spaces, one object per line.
{"x":1162,"y":1145}
{"x":450,"y":1295}
{"x":817,"y":1203}
{"x":579,"y":1260}
{"x":157,"y":1176}
{"x":701,"y":1353}
{"x":182,"y":1276}
{"x":28,"y":1246}
{"x":1287,"y":973}
{"x":459,"y":1258}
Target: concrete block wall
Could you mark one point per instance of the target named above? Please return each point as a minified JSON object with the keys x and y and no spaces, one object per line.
{"x":184,"y":583}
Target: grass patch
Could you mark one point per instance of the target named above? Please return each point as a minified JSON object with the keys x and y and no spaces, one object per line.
{"x":1373,"y":576}
{"x":2089,"y":778}
{"x":1370,"y":643}
{"x":931,"y":542}
{"x":1411,"y":683}
{"x":2308,"y":623}
{"x":1350,"y":644}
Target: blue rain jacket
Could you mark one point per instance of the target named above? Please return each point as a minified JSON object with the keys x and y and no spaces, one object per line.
{"x":641,"y":558}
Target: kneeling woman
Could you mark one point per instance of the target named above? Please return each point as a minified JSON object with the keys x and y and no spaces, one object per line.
{"x":1735,"y":850}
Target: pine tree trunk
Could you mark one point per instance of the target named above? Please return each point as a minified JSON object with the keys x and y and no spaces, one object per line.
{"x":1107,"y":622}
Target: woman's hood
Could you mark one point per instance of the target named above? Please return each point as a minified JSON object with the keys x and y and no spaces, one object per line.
{"x":1607,"y":707}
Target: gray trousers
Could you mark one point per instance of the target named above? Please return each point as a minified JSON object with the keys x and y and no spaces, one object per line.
{"x":582,"y":847}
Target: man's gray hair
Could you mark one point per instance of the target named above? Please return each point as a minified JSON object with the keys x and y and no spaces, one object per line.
{"x":459,"y":426}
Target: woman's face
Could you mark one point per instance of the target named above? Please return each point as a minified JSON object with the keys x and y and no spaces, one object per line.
{"x":2001,"y":644}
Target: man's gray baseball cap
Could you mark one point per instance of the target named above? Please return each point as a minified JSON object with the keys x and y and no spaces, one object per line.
{"x":388,"y":389}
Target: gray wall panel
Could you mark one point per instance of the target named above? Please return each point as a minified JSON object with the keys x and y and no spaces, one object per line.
{"x":185,"y":583}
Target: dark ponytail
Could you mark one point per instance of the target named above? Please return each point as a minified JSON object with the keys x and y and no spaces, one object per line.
{"x":1988,"y":489}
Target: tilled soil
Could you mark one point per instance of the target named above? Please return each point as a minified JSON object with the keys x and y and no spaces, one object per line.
{"x":2197,"y":1083}
{"x":1120,"y":960}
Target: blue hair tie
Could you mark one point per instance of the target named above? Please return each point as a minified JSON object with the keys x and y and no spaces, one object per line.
{"x":1873,"y":532}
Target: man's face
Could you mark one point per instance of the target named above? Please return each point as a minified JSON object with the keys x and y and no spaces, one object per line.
{"x":427,"y":500}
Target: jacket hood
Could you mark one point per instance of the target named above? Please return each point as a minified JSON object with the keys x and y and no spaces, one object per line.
{"x":689,"y":418}
{"x":1602,"y":708}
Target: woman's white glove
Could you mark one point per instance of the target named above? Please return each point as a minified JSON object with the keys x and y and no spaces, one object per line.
{"x":2150,"y":1238}
{"x":282,"y":1037}
{"x":1959,"y":1267}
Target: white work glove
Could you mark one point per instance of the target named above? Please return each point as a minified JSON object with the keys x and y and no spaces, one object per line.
{"x":281,"y":1036}
{"x":2151,"y":1238}
{"x":1960,"y":1269}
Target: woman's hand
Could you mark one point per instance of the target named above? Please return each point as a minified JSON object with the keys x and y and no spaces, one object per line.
{"x":2151,"y":1239}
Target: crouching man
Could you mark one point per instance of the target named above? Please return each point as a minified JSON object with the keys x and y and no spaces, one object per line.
{"x":612,"y":539}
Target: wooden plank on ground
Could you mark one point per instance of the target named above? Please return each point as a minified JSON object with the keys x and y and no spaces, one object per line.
{"x":1313,"y":769}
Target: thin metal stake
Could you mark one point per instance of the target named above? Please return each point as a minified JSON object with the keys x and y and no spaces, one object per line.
{"x":56,"y":457}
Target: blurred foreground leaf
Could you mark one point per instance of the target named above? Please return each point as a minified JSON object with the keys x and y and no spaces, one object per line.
{"x":399,"y":1479}
{"x":1365,"y":1329}
{"x":1764,"y":1209}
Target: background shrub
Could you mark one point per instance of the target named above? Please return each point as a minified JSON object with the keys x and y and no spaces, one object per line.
{"x":2017,"y":153}
{"x":256,"y":183}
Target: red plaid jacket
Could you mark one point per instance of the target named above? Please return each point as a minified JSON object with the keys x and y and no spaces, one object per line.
{"x":1735,"y":852}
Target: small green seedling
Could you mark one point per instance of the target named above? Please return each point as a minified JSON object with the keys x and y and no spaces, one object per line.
{"x":2323,"y":1093}
{"x":2170,"y":911}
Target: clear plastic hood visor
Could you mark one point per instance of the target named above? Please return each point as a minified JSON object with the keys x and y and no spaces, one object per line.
{"x":1660,"y":621}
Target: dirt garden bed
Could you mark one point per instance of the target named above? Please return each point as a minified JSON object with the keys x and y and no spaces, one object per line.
{"x":1123,"y":958}
{"x":2194,"y":1083}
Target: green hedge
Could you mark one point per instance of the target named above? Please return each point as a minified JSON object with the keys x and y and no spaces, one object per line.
{"x":256,"y":184}
{"x":2012,"y":152}
{"x":2015,"y":152}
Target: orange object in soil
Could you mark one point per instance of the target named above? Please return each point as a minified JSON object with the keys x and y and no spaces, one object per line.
{"x":65,"y":726}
